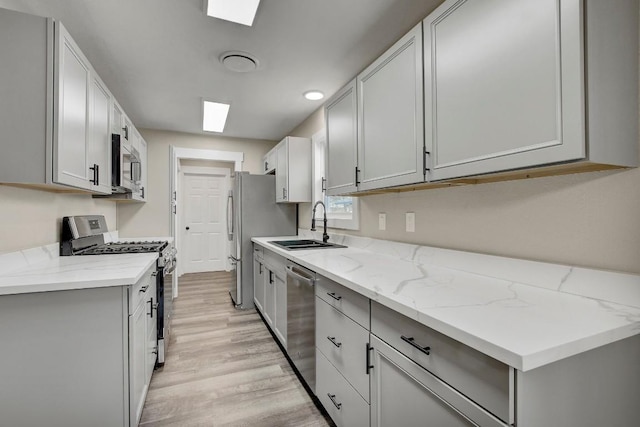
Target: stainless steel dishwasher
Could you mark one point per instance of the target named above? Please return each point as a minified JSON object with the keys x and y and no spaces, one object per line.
{"x":301,"y":321}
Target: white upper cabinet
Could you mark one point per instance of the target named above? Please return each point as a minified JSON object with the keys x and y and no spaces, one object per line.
{"x":293,"y":170}
{"x":269,"y":161}
{"x":390,"y":116}
{"x":143,"y":168}
{"x":100,"y":136}
{"x":342,"y":141}
{"x":71,"y":117}
{"x":55,"y":117}
{"x":505,"y":85}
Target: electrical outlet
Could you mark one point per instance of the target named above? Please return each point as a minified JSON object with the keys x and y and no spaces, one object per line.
{"x":382,"y":221}
{"x":411,"y":222}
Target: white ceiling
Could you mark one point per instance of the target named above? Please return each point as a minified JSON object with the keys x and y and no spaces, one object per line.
{"x":160,"y":57}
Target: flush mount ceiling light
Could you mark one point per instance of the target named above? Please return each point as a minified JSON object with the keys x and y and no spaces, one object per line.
{"x":239,"y":11}
{"x":240,"y":62}
{"x":214,"y":116}
{"x":313,"y":95}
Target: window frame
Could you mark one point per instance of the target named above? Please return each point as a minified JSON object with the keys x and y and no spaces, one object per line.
{"x":318,"y":173}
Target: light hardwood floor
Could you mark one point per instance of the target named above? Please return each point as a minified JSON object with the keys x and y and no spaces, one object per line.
{"x":223,"y":367}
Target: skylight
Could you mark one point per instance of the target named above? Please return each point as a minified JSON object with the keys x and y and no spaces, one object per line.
{"x":214,"y":116}
{"x":239,"y":11}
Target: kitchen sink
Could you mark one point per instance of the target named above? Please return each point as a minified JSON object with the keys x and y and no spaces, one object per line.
{"x":293,"y":245}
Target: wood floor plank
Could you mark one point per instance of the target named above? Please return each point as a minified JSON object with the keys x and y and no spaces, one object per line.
{"x":223,"y":367}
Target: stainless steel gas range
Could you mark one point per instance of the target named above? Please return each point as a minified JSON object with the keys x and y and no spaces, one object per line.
{"x":85,"y":235}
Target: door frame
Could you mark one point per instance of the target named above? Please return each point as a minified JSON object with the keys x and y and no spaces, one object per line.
{"x":198,"y":170}
{"x":175,"y":155}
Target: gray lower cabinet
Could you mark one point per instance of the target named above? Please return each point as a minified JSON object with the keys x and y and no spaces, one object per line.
{"x":343,"y":403}
{"x":273,"y":281}
{"x":258,"y":280}
{"x":405,"y":394}
{"x":75,"y":358}
{"x":344,"y":343}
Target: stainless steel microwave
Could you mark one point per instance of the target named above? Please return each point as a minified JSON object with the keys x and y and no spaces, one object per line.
{"x":126,"y":169}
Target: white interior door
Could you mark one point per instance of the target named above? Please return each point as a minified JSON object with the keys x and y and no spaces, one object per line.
{"x":204,"y":222}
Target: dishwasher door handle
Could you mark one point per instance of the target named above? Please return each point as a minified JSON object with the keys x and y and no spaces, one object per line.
{"x":291,"y":271}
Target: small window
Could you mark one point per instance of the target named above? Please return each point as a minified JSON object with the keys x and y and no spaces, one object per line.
{"x":342,"y":211}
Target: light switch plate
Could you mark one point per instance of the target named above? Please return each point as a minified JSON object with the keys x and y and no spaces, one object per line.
{"x":411,"y":222}
{"x":382,"y":221}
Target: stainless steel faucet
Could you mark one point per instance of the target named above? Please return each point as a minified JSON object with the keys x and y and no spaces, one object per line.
{"x":325,"y":236}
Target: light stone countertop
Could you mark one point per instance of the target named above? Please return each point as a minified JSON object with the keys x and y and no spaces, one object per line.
{"x":41,"y":269}
{"x":524,"y":313}
{"x":72,"y":272}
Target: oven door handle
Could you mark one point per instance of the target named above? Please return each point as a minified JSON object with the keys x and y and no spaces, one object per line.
{"x":170,"y":269}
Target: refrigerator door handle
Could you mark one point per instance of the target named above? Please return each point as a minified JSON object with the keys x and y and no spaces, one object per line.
{"x":230,"y":216}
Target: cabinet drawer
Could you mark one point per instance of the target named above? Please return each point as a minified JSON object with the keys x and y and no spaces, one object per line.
{"x":258,"y":252}
{"x":275,"y":263}
{"x":476,"y":375}
{"x":344,"y":343}
{"x":139,"y":291}
{"x":345,"y":406}
{"x":345,"y":300}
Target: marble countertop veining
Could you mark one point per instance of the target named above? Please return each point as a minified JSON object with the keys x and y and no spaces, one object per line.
{"x":523,"y":313}
{"x":75,"y":272}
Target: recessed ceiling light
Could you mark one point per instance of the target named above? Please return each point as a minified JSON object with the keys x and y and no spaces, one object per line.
{"x":314,"y":95}
{"x":214,"y":116}
{"x":239,"y":11}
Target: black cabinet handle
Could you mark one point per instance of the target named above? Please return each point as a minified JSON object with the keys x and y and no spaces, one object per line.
{"x":334,"y":296}
{"x":143,"y":289}
{"x":270,"y":277}
{"x":151,"y":307}
{"x":333,"y":341}
{"x":187,"y":228}
{"x":357,"y":171}
{"x":266,"y":166}
{"x":333,"y":399}
{"x":143,"y":192}
{"x":369,"y":365}
{"x":94,"y":168}
{"x":411,"y":341}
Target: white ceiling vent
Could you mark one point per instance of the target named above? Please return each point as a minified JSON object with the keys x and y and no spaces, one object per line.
{"x":240,"y":62}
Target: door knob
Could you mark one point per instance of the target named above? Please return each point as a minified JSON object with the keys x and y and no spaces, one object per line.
{"x":187,"y":228}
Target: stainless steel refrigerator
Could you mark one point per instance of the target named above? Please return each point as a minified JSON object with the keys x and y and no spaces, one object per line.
{"x":252,"y":211}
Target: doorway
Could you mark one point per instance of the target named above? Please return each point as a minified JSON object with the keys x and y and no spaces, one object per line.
{"x":177,"y":156}
{"x":204,"y":218}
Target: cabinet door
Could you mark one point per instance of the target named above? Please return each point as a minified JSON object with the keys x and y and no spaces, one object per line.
{"x":269,"y":161}
{"x":504,"y":85}
{"x":151,"y":353}
{"x":280,"y":320}
{"x":342,"y":141}
{"x":137,"y":362}
{"x":403,"y":393}
{"x":269,"y":312}
{"x":282,"y":172}
{"x":258,"y":284}
{"x":117,"y":118}
{"x":391,"y":116}
{"x":144,"y":172}
{"x":71,"y":117}
{"x":100,"y":136}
